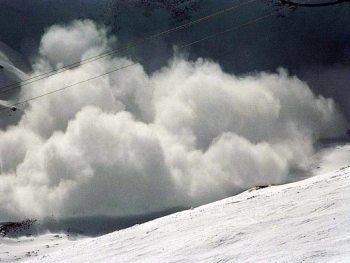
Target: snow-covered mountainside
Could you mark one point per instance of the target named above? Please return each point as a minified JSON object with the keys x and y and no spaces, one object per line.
{"x":306,"y":221}
{"x":23,"y":248}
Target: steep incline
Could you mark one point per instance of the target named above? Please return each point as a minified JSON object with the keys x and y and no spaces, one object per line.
{"x":306,"y":221}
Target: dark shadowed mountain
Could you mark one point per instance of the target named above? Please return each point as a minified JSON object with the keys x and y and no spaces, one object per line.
{"x":313,"y":43}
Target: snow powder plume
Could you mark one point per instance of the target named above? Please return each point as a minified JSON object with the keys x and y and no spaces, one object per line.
{"x":132,"y":143}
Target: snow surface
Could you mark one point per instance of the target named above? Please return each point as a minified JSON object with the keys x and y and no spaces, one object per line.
{"x":305,"y":221}
{"x":18,"y":249}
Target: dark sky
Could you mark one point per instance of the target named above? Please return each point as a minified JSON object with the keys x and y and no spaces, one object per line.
{"x":313,"y":43}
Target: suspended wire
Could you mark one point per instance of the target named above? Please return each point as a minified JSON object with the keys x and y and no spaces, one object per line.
{"x":67,"y":87}
{"x":136,"y":43}
{"x":234,"y":28}
{"x":231,"y":29}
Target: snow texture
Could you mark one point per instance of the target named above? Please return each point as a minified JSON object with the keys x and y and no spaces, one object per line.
{"x":305,"y":221}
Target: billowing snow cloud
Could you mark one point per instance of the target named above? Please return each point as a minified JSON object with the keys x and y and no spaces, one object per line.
{"x":132,"y":143}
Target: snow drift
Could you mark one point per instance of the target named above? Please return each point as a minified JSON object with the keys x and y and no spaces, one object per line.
{"x":132,"y":143}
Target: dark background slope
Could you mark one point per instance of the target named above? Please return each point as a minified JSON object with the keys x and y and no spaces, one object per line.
{"x":313,"y":43}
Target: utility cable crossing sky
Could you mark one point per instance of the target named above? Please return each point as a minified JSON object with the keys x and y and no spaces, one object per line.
{"x":136,"y":43}
{"x":231,"y":29}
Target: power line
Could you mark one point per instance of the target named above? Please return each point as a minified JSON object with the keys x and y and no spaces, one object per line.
{"x":230,"y":29}
{"x":227,"y":30}
{"x":67,"y":87}
{"x":48,"y":74}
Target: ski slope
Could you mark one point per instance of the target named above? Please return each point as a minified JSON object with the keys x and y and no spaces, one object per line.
{"x":305,"y":221}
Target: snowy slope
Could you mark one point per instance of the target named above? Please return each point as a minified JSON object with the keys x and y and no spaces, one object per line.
{"x":15,"y":249}
{"x":306,"y":221}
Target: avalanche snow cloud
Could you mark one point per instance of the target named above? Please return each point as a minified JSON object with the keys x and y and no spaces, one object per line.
{"x":132,"y":143}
